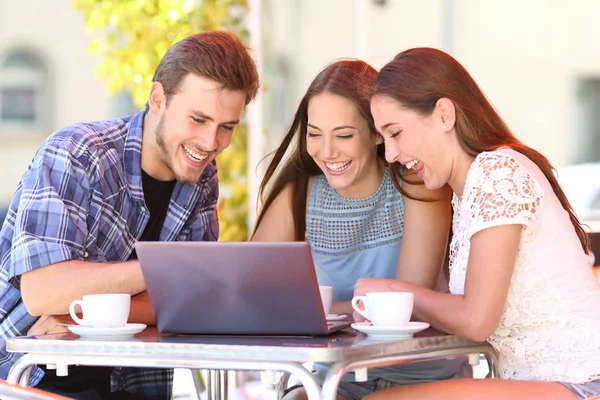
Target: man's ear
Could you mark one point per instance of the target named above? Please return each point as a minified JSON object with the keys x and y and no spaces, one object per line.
{"x":446,"y":113}
{"x":157,"y":98}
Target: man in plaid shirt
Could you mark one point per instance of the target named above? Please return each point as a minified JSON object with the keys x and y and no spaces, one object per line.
{"x":94,"y":189}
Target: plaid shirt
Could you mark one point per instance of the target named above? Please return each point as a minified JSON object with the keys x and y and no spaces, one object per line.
{"x":81,"y":198}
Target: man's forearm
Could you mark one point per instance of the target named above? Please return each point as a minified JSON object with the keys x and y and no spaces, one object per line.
{"x":141,"y":311}
{"x":50,"y":290}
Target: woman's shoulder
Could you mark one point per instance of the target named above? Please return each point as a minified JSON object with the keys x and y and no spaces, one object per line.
{"x":503,"y":177}
{"x":317,"y":184}
{"x":503,"y":163}
{"x":502,"y":157}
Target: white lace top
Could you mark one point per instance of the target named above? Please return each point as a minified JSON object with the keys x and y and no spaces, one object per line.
{"x":550,"y":326}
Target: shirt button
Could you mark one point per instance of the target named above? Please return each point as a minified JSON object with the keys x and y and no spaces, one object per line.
{"x":143,"y":209}
{"x":185,"y":206}
{"x":85,"y":254}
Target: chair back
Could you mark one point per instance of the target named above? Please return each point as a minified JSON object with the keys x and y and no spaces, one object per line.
{"x":15,"y":392}
{"x":595,"y":245}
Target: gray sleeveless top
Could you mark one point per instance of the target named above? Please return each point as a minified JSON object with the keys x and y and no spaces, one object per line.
{"x":354,"y":238}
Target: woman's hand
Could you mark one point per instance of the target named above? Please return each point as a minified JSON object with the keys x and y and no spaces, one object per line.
{"x":48,"y":324}
{"x":368,"y":285}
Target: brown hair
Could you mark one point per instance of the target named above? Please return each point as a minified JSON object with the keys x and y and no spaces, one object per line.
{"x":351,"y":79}
{"x":216,"y":55}
{"x":419,"y":77}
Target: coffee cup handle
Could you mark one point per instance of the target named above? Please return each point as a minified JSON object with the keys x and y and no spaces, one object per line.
{"x":72,"y":311}
{"x":355,"y":300}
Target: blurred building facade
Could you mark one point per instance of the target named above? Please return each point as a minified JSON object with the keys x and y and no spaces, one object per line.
{"x":46,"y":81}
{"x":537,"y":61}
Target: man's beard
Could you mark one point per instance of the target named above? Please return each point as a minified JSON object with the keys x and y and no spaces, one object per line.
{"x":159,"y":132}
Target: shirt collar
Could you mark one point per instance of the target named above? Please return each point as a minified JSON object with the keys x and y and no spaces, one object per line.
{"x":132,"y":160}
{"x":132,"y":155}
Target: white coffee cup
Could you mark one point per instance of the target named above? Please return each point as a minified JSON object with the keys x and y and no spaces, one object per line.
{"x":385,"y":308}
{"x":102,"y":310}
{"x":326,"y":298}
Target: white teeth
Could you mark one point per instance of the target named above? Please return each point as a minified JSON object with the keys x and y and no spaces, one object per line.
{"x":193,"y":154}
{"x":411,"y":164}
{"x":340,"y":166}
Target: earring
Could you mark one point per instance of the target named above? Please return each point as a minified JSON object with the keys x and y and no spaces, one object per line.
{"x":444,"y":126}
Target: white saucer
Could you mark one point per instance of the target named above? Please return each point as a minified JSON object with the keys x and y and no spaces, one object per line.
{"x":390,"y":332}
{"x":122,"y":332}
{"x":336,"y":317}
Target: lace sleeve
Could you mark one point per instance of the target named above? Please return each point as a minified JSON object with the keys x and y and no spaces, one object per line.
{"x":503,"y":192}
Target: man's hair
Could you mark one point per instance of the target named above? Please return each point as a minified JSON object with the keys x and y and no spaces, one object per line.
{"x":216,"y":55}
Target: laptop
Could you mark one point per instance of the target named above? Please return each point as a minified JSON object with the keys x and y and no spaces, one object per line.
{"x":338,"y":339}
{"x":234,"y":288}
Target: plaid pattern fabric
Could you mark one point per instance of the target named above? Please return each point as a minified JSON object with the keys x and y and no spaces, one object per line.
{"x":81,"y":198}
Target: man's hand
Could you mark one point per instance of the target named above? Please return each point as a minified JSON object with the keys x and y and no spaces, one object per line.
{"x":47,"y":324}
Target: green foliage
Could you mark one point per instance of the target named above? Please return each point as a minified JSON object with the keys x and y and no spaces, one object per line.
{"x":131,"y":36}
{"x":233,"y":207}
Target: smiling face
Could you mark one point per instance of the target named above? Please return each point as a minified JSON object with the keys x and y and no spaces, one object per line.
{"x":181,"y":139}
{"x":340,"y":142}
{"x":420,"y":143}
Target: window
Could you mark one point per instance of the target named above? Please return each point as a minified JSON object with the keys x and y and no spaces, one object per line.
{"x":24,"y":94}
{"x":18,"y":104}
{"x":585,"y":145}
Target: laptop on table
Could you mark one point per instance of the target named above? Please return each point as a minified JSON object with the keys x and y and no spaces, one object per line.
{"x":234,"y":288}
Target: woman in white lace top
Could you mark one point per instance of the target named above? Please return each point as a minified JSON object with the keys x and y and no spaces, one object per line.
{"x":520,"y":273}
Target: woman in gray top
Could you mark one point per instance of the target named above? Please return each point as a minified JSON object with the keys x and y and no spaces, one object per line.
{"x":361,"y":219}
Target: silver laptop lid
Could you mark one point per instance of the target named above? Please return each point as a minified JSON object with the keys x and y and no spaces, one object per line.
{"x":250,"y":288}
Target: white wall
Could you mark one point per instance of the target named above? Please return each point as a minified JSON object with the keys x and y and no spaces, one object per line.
{"x":526,"y":55}
{"x":57,"y":33}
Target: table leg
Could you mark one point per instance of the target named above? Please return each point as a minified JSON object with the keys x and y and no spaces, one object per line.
{"x":338,"y":369}
{"x":26,"y":377}
{"x":217,"y":387}
{"x":492,"y":360}
{"x":224,"y":385}
{"x":21,"y":371}
{"x":306,"y":379}
{"x":212,"y":385}
{"x":332,"y":381}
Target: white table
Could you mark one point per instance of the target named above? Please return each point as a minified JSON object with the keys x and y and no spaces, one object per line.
{"x":346,"y":351}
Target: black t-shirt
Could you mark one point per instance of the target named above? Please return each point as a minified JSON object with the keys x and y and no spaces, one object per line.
{"x":157,"y":195}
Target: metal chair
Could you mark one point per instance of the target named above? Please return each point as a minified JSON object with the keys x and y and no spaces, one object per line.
{"x":16,"y":392}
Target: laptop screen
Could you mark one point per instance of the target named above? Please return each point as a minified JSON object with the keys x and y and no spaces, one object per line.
{"x":249,"y":288}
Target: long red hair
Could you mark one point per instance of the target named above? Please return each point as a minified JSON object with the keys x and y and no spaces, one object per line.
{"x":419,"y":77}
